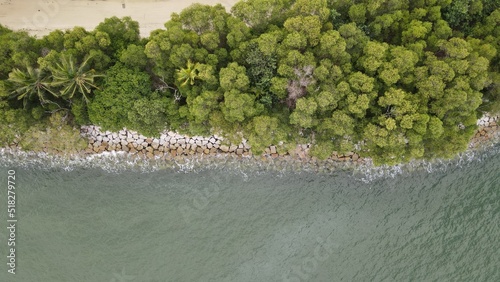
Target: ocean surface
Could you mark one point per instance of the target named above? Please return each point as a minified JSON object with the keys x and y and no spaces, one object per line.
{"x":106,"y":219}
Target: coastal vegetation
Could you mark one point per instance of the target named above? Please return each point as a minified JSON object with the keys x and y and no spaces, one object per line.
{"x":392,"y":79}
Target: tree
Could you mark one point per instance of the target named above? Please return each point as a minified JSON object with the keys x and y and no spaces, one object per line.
{"x":265,"y":130}
{"x":307,"y":26}
{"x":134,"y":56}
{"x":261,"y":69}
{"x":13,"y":123}
{"x":30,"y":85}
{"x":112,"y":103}
{"x":357,"y":13}
{"x":203,"y":105}
{"x":204,"y":19}
{"x":238,"y":106}
{"x":121,"y":32}
{"x":148,"y":115}
{"x":304,"y":113}
{"x":234,"y":77}
{"x":259,"y":14}
{"x":188,"y":74}
{"x":73,"y":78}
{"x":318,"y":8}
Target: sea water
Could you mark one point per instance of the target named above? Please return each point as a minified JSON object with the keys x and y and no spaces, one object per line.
{"x":105,"y":219}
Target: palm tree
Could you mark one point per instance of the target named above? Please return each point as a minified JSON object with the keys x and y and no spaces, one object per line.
{"x":73,"y":78}
{"x":189,"y":74}
{"x":29,"y":84}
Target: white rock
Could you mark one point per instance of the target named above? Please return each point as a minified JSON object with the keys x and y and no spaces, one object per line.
{"x":273,"y":149}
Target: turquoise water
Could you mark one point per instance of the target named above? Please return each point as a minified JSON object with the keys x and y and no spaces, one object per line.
{"x":89,"y":222}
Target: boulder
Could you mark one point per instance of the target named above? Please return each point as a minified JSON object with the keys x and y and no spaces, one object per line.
{"x":273,"y":149}
{"x":155,"y":145}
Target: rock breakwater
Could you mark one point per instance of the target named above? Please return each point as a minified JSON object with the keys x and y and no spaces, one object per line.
{"x":173,"y":145}
{"x":488,"y":131}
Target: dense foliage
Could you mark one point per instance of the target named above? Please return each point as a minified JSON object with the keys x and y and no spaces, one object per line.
{"x":394,"y":79}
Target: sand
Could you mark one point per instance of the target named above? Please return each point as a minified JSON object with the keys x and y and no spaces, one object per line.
{"x":40,"y":17}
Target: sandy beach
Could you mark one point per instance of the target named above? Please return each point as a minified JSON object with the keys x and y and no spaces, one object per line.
{"x":40,"y":17}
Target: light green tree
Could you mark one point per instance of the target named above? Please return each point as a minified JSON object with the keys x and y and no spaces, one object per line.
{"x":72,"y":78}
{"x":30,"y":84}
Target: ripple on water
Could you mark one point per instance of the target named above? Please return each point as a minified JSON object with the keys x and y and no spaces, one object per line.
{"x":119,"y":162}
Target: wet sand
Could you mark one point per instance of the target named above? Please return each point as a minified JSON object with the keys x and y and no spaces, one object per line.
{"x":40,"y":17}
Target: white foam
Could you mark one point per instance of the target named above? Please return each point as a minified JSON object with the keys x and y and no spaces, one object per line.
{"x":368,"y":173}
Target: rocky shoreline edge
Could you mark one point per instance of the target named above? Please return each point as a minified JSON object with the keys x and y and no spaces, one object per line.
{"x":181,"y":149}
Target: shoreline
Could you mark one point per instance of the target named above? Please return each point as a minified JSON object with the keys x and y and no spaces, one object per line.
{"x":188,"y":153}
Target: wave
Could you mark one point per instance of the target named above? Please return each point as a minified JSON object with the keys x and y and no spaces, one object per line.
{"x":120,"y":162}
{"x":368,"y":173}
